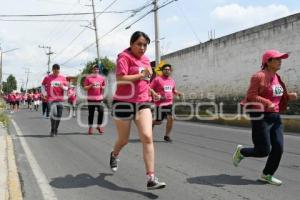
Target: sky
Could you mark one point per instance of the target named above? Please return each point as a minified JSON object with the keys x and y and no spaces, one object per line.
{"x":182,"y":23}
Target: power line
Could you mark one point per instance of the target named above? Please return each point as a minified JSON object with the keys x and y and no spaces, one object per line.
{"x":77,"y":36}
{"x":69,"y":14}
{"x":45,"y":20}
{"x":146,"y":14}
{"x":62,"y":27}
{"x":93,"y":43}
{"x":135,"y":11}
{"x":188,"y":23}
{"x":105,"y":9}
{"x":83,"y":30}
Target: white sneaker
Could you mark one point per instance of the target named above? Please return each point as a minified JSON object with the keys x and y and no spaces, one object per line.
{"x":270,"y":179}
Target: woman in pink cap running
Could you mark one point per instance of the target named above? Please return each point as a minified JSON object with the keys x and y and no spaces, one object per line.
{"x":268,"y":96}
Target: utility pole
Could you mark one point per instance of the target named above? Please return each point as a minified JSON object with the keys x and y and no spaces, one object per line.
{"x":156,"y":27}
{"x":49,"y":53}
{"x":27,"y":72}
{"x":0,"y":69}
{"x":96,"y":33}
{"x":1,"y":62}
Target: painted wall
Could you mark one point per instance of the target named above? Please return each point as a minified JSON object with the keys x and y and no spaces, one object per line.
{"x":224,"y":66}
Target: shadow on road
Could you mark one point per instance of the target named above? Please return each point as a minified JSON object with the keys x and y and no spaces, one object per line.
{"x":86,"y":180}
{"x":221,"y":180}
{"x":48,"y":135}
{"x":35,"y":136}
{"x":138,"y":141}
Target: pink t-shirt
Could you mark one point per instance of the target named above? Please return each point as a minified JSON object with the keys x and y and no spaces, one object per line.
{"x":54,"y":87}
{"x":137,"y":91}
{"x":274,"y":93}
{"x":11,"y":98}
{"x":72,"y":95}
{"x":36,"y":96}
{"x":30,"y":96}
{"x":18,"y":97}
{"x":164,"y":86}
{"x":95,"y":93}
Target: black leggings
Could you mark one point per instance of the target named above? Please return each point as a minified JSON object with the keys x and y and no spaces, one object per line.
{"x":56,"y":109}
{"x":45,"y":108}
{"x":92,"y":105}
{"x":267,"y":137}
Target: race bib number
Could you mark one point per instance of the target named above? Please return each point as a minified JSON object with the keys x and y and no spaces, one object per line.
{"x":277,"y":90}
{"x":55,"y":83}
{"x":96,"y":85}
{"x":141,"y":70}
{"x":168,"y":88}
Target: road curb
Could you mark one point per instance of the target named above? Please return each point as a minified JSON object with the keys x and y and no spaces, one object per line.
{"x":3,"y":164}
{"x":13,"y":181}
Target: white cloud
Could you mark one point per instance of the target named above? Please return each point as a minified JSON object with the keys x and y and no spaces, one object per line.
{"x":244,"y":17}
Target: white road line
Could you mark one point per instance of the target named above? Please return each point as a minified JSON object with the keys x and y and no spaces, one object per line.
{"x":41,"y":178}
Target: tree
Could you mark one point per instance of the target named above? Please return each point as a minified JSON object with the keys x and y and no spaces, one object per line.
{"x":106,"y":67}
{"x":22,"y":89}
{"x":10,"y":84}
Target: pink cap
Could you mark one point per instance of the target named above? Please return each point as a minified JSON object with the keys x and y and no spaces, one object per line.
{"x":273,"y":54}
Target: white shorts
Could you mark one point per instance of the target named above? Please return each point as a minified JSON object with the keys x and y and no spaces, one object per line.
{"x":36,"y":103}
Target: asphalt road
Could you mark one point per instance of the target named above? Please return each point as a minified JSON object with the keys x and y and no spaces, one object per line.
{"x":197,"y":165}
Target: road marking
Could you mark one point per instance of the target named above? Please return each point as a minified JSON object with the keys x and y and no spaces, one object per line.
{"x":43,"y":183}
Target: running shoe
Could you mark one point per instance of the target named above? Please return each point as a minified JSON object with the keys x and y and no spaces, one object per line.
{"x":270,"y":179}
{"x":52,"y":133}
{"x":237,"y":156}
{"x":113,"y":163}
{"x":90,"y":131}
{"x":100,"y":130}
{"x":167,"y":138}
{"x":154,"y":184}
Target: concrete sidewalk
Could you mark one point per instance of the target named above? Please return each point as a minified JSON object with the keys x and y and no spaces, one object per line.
{"x":10,"y":187}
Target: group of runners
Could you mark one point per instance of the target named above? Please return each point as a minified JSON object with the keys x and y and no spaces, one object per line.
{"x":137,"y":91}
{"x":16,"y":99}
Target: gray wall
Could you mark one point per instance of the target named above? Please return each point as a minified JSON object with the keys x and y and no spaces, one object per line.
{"x":224,"y":66}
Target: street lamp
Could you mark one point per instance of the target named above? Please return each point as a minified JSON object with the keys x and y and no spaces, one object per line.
{"x":1,"y":58}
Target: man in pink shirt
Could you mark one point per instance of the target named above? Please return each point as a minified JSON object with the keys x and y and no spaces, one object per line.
{"x":163,"y":90}
{"x":53,"y":87}
{"x":94,"y":84}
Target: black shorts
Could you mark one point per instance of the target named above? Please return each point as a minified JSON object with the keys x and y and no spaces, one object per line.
{"x":127,"y":110}
{"x":161,"y":112}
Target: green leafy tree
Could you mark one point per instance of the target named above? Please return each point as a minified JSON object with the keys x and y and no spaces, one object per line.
{"x":10,"y":84}
{"x":22,"y":89}
{"x":106,"y":67}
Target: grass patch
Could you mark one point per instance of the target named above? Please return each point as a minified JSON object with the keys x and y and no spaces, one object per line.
{"x":4,"y":120}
